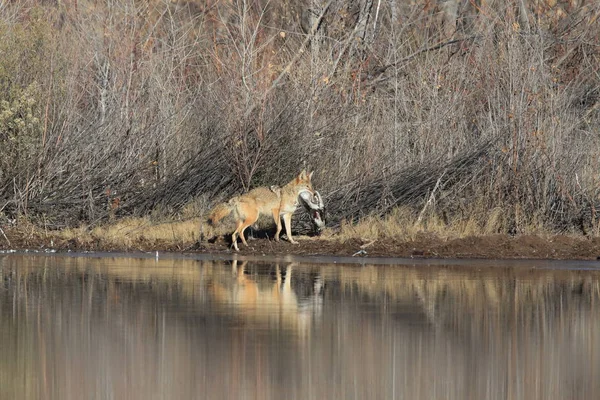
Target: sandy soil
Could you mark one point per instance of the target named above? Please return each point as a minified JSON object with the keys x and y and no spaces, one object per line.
{"x":425,"y":246}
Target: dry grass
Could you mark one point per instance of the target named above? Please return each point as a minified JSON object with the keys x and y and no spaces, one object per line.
{"x":402,"y":223}
{"x":130,"y":231}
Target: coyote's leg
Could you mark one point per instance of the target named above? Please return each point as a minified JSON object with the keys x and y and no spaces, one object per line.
{"x":287,"y":218}
{"x":250,"y":220}
{"x":235,"y":234}
{"x":277,"y":219}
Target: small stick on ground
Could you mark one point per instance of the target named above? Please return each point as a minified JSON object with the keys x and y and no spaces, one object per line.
{"x":364,"y":246}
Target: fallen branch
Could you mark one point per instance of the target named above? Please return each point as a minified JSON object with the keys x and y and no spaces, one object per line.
{"x":4,"y":234}
{"x":431,"y":198}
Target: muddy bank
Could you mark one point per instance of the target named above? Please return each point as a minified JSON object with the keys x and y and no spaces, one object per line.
{"x":423,"y":246}
{"x":496,"y":247}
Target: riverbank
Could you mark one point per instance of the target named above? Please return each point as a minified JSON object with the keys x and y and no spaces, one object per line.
{"x":182,"y":237}
{"x":432,"y":246}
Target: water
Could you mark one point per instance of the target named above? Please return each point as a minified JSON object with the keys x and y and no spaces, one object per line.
{"x":85,"y":327}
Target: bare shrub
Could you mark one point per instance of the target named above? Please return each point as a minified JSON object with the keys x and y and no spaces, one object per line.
{"x":132,"y":107}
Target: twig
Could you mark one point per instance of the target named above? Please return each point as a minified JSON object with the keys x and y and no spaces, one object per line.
{"x":431,"y":197}
{"x":4,"y":234}
{"x":296,"y":57}
{"x":371,"y":242}
{"x":438,"y":46}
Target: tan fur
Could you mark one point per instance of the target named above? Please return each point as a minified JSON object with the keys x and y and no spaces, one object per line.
{"x":275,"y":201}
{"x":218,"y":213}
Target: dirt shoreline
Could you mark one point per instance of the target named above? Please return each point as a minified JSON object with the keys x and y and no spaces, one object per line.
{"x":555,"y":247}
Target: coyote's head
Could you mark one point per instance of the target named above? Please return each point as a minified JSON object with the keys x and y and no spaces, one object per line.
{"x":303,"y":182}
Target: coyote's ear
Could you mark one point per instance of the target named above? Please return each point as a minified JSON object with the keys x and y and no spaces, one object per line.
{"x":302,"y":174}
{"x":310,"y":175}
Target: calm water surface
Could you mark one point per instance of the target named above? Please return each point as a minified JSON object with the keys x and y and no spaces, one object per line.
{"x":140,"y":328}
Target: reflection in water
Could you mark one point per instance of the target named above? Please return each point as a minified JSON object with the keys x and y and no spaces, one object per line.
{"x":126,"y":328}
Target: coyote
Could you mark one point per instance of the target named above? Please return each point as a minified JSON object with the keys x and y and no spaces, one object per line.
{"x":276,"y":201}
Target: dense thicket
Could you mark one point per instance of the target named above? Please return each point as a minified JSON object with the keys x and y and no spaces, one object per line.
{"x":131,"y":106}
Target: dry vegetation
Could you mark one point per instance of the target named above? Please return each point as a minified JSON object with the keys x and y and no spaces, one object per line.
{"x":473,"y":117}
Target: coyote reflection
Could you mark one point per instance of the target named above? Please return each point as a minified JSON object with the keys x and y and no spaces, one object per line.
{"x":262,"y":301}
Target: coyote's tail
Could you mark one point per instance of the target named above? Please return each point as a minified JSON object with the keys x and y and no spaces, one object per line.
{"x":218,"y":213}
